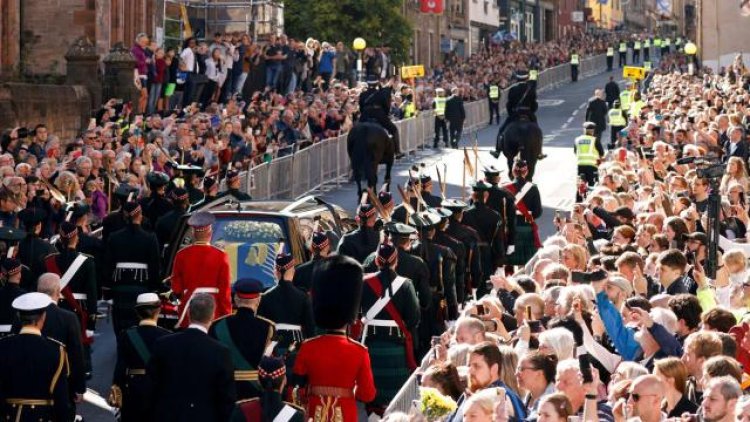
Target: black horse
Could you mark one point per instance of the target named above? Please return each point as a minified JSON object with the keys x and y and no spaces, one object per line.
{"x":368,"y":146}
{"x":525,"y":137}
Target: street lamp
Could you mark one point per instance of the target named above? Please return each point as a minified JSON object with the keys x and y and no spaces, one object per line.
{"x":359,"y":46}
{"x":690,"y":50}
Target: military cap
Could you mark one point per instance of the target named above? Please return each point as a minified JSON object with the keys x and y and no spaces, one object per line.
{"x":68,"y":230}
{"x":480,"y":186}
{"x":424,"y":219}
{"x":201,"y":221}
{"x":271,"y":367}
{"x":443,"y":212}
{"x":616,"y":103}
{"x":31,"y":303}
{"x":232,"y":175}
{"x":399,"y":229}
{"x":247,"y":288}
{"x":522,"y":74}
{"x":491,"y":171}
{"x":77,"y":209}
{"x":425,"y":178}
{"x":589,"y":125}
{"x":413,"y":181}
{"x":366,"y":211}
{"x":284,"y":261}
{"x":123,"y":191}
{"x":385,"y":198}
{"x":439,"y":90}
{"x":386,"y":255}
{"x":32,"y":216}
{"x":337,"y":283}
{"x":319,"y":240}
{"x":373,"y":79}
{"x":209,"y":182}
{"x":454,"y":204}
{"x":190,"y":169}
{"x":147,"y":300}
{"x":179,"y":194}
{"x":11,"y":234}
{"x":10,"y":267}
{"x":157,"y":179}
{"x":520,"y":162}
{"x":131,"y":208}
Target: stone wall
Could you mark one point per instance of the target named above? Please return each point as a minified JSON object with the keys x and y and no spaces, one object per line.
{"x":65,"y":109}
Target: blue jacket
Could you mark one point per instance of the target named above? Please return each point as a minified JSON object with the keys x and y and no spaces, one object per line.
{"x":326,"y":62}
{"x":518,"y":407}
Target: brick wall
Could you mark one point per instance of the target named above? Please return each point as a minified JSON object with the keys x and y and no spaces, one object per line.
{"x":63,"y":108}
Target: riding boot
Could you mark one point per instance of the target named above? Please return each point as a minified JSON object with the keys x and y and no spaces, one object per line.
{"x":496,"y":152}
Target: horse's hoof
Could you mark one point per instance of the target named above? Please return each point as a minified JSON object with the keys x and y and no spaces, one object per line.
{"x":399,"y":156}
{"x":495,"y":154}
{"x":541,"y":156}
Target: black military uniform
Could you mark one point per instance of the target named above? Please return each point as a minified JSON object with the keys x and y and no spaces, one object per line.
{"x":156,"y":205}
{"x":33,"y":368}
{"x":375,"y":104}
{"x":32,"y":249}
{"x":400,"y":214}
{"x":487,"y":223}
{"x":210,"y":193}
{"x":503,"y":202}
{"x":10,"y":290}
{"x":247,"y":336}
{"x":166,"y":226}
{"x":134,"y":347}
{"x":470,"y":239}
{"x":320,"y":245}
{"x":389,"y":331}
{"x":269,"y":406}
{"x":132,"y":260}
{"x":429,"y":199}
{"x":529,"y":210}
{"x":115,"y":220}
{"x":192,"y":378}
{"x":189,"y":174}
{"x":521,"y":102}
{"x":233,"y":184}
{"x":458,"y":248}
{"x":363,"y":241}
{"x":288,"y":307}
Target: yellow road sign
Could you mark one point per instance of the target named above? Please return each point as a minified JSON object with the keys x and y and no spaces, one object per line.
{"x":632,"y":72}
{"x":409,"y":72}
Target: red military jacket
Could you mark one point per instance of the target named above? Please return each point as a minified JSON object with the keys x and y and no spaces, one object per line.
{"x":335,"y":362}
{"x":202,"y":265}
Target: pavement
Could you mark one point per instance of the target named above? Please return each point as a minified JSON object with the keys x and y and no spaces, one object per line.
{"x":561,"y":115}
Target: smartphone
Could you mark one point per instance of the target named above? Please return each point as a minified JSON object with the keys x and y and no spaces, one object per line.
{"x":528,"y":313}
{"x":535,"y":326}
{"x":584,"y":361}
{"x":435,"y":340}
{"x":480,"y":309}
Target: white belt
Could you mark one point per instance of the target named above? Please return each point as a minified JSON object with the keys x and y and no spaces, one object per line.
{"x":288,"y":327}
{"x":5,"y":328}
{"x":165,"y":316}
{"x":388,"y":323}
{"x":80,"y":296}
{"x":210,"y":290}
{"x":131,"y":266}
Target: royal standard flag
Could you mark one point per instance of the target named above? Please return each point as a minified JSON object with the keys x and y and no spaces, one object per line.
{"x":254,"y":260}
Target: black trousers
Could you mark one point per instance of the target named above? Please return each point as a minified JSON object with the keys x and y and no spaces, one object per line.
{"x":636,"y":56}
{"x":494,"y":111}
{"x":440,"y":125}
{"x":388,"y":125}
{"x":610,"y":59}
{"x":456,"y":128}
{"x":589,"y":174}
{"x":614,"y":130}
{"x":645,"y":54}
{"x":623,"y":59}
{"x":574,"y":72}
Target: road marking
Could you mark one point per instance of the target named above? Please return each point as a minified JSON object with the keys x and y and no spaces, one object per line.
{"x":550,"y":103}
{"x":570,"y":119}
{"x":582,"y":106}
{"x":574,"y":113}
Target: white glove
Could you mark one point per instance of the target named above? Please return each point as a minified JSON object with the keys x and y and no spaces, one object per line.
{"x":511,"y":249}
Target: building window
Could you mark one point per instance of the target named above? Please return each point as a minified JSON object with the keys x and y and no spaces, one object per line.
{"x":430,"y":42}
{"x":529,"y":26}
{"x":486,"y":7}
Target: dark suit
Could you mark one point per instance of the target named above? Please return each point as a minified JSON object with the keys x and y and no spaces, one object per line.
{"x":596,"y":112}
{"x":455,"y":114}
{"x":192,"y":378}
{"x":741,"y":150}
{"x":611,"y":92}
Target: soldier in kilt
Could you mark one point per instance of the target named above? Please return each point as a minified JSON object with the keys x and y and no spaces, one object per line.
{"x":528,"y":210}
{"x":389,"y":325}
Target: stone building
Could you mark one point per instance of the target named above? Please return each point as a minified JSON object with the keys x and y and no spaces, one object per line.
{"x":723,"y":31}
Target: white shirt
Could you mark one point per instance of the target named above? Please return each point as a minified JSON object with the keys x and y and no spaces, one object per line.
{"x":188,"y":58}
{"x":199,"y":327}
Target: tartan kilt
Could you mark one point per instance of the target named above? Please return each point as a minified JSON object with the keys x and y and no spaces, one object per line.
{"x":389,"y":368}
{"x":524,"y":243}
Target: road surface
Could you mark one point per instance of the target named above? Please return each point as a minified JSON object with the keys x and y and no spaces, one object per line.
{"x":561,"y":116}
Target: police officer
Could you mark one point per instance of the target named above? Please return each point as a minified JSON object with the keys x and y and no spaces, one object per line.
{"x":657,"y":46}
{"x":587,"y":156}
{"x":246,"y":334}
{"x":487,"y":223}
{"x":32,"y":249}
{"x":287,"y":306}
{"x":202,"y":268}
{"x":132,"y":260}
{"x":32,"y":368}
{"x":320,"y":246}
{"x":270,"y":405}
{"x":115,"y":220}
{"x":575,"y":60}
{"x":130,"y":387}
{"x":521,"y":102}
{"x":388,"y":324}
{"x":363,"y":241}
{"x":233,"y":186}
{"x":493,"y":100}
{"x":429,"y":199}
{"x":637,"y":51}
{"x":623,"y":52}
{"x":375,"y":104}
{"x":470,"y":239}
{"x":10,"y":270}
{"x":528,"y":209}
{"x":646,"y":49}
{"x":167,"y":224}
{"x":408,"y":108}
{"x":617,"y":122}
{"x":666,"y":46}
{"x":438,"y":104}
{"x":610,"y":58}
{"x":156,"y":204}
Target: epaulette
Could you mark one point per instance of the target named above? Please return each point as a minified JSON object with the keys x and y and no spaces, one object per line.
{"x":222,"y":317}
{"x":86,"y":255}
{"x":56,"y":342}
{"x":247,"y":400}
{"x":351,"y":340}
{"x":273,"y":324}
{"x":50,"y":255}
{"x":311,"y":339}
{"x":296,"y":407}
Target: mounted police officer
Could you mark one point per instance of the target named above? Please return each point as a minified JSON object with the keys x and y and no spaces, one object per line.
{"x":375,"y":104}
{"x":521,"y":102}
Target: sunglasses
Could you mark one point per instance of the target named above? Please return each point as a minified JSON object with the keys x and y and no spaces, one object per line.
{"x":637,"y":397}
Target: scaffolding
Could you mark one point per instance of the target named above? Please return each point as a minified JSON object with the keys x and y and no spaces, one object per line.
{"x":259,"y":18}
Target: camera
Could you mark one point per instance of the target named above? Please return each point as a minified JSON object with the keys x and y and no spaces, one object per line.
{"x":582,"y":277}
{"x":712,"y":171}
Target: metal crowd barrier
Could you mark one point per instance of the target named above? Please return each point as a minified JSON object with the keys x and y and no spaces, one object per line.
{"x":327,"y":161}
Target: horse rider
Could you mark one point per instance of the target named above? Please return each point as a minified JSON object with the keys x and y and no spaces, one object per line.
{"x":375,"y":104}
{"x":521,"y":103}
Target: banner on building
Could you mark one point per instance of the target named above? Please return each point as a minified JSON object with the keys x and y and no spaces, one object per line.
{"x":576,"y":16}
{"x":664,"y":7}
{"x":431,"y":6}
